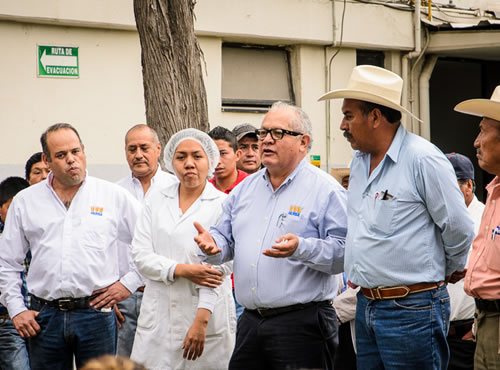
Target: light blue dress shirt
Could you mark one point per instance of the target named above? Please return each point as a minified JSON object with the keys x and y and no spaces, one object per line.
{"x":309,"y":204}
{"x":408,"y":222}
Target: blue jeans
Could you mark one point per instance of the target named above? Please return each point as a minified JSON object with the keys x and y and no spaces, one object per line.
{"x":403,"y":333}
{"x":130,"y":309}
{"x":85,"y":333}
{"x":13,"y":352}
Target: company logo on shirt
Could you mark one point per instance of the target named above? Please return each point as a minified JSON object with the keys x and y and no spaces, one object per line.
{"x":295,"y":210}
{"x":96,"y":211}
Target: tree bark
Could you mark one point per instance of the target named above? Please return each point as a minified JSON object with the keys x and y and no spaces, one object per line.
{"x":174,"y":91}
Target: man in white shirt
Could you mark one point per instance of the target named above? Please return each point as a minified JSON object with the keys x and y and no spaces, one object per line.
{"x":72,"y":223}
{"x":462,"y":306}
{"x":142,"y":150}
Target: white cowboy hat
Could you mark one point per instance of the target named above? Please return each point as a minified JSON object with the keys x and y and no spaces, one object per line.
{"x":375,"y":85}
{"x":489,"y":108}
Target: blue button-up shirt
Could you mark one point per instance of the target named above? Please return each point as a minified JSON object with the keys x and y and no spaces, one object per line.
{"x":408,"y":222}
{"x":309,"y":204}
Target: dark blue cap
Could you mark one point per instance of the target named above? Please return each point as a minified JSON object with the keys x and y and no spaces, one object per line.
{"x":462,"y":165}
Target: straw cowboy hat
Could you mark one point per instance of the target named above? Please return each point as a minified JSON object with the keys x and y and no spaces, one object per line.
{"x":489,"y":108}
{"x":375,"y":85}
{"x":339,"y":173}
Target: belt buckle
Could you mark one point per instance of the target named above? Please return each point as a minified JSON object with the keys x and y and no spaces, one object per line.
{"x":262,"y":311}
{"x":63,"y":304}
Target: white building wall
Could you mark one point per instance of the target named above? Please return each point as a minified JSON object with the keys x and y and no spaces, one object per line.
{"x":107,"y":98}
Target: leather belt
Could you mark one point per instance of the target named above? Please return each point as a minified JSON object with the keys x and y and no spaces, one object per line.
{"x":6,"y":316}
{"x":458,"y":328}
{"x":270,"y":312}
{"x":67,"y":304}
{"x":398,"y":291}
{"x":141,"y":289}
{"x":488,"y":305}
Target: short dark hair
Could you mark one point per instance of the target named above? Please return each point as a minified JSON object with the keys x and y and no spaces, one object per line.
{"x":55,"y":127}
{"x":465,"y":181}
{"x":10,"y":187}
{"x":35,"y":158}
{"x":390,"y":114}
{"x":222,"y":133}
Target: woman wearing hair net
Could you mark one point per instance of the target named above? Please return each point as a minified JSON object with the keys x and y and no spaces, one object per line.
{"x":187,"y":318}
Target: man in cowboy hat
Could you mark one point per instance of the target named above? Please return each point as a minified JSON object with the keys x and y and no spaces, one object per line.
{"x":408,"y":228}
{"x":482,"y":280}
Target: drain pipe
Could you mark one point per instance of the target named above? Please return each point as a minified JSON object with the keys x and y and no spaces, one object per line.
{"x":405,"y":68}
{"x":425,"y":114}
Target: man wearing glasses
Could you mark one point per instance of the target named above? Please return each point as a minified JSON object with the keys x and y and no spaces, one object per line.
{"x":409,"y":229}
{"x":285,"y":228}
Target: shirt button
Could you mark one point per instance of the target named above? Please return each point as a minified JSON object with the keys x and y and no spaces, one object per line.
{"x":266,"y":218}
{"x":253,"y":265}
{"x":258,"y":241}
{"x":493,"y":201}
{"x":274,"y":196}
{"x":253,"y":289}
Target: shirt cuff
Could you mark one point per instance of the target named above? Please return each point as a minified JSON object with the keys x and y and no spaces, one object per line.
{"x":170,"y":273}
{"x":16,"y":308}
{"x":132,"y":280}
{"x":207,"y":300}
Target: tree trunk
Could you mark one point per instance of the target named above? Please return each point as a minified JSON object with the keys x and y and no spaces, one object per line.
{"x":173,"y":83}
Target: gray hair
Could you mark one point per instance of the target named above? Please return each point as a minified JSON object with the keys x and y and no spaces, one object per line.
{"x":300,"y":122}
{"x":56,"y":127}
{"x":140,"y":126}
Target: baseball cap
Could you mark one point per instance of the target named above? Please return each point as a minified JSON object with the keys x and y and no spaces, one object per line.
{"x":462,"y":165}
{"x":244,"y":129}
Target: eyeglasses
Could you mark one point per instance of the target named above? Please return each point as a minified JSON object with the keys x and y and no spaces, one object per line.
{"x":276,"y":133}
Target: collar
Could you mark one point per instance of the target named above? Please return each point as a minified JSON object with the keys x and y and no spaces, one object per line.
{"x":397,"y":143}
{"x":290,"y":177}
{"x":50,"y":178}
{"x":493,"y":184}
{"x":156,"y":175}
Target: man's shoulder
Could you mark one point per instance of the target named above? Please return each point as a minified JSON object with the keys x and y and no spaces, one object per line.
{"x":317,"y":178}
{"x":106,"y":188}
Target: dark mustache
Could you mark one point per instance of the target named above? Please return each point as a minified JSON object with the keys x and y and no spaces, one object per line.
{"x":348,"y":135}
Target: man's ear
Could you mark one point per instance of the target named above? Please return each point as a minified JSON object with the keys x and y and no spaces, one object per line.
{"x":45,"y":159}
{"x":239,"y":154}
{"x":304,"y":141}
{"x":376,"y":116}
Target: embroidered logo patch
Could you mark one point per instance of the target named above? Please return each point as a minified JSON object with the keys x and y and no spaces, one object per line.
{"x":295,"y":210}
{"x":96,"y":211}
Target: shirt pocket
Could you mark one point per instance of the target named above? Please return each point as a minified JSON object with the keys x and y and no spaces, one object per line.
{"x":493,"y":253}
{"x":96,"y":232}
{"x":383,"y":215}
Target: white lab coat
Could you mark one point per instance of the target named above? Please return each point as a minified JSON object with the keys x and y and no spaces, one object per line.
{"x":164,"y":237}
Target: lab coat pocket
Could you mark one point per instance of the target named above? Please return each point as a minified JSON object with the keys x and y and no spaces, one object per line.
{"x":383,"y":215}
{"x":148,"y":316}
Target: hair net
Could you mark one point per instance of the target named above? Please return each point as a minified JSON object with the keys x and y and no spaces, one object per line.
{"x":200,"y":137}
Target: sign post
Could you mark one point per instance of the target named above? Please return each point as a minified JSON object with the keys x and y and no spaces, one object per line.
{"x":58,"y":61}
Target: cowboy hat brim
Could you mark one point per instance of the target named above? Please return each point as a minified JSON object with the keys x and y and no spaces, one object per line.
{"x":480,"y":107}
{"x":365,"y":96}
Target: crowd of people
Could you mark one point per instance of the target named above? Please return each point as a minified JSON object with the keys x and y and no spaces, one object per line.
{"x":243,"y":255}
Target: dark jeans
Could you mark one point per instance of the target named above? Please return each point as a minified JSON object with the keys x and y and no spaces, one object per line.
{"x":85,"y":333}
{"x":13,"y":352}
{"x":303,"y":339}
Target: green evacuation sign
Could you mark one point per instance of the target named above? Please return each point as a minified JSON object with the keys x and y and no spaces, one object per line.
{"x":58,"y":61}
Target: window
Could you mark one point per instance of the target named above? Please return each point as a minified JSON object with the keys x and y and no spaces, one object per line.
{"x":371,"y":57}
{"x":253,"y":77}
